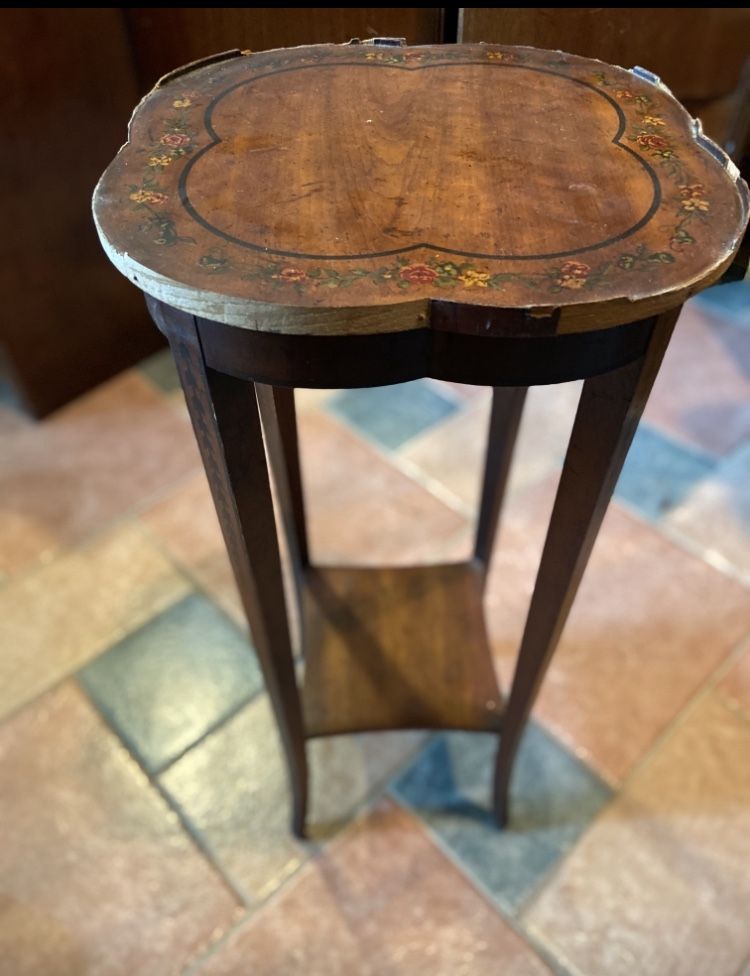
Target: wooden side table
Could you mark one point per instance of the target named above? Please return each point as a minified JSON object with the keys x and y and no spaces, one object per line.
{"x":366,"y":214}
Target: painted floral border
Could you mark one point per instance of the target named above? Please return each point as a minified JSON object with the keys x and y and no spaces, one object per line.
{"x":648,"y":131}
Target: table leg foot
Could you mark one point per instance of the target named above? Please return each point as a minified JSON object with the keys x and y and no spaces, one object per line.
{"x":226,"y":419}
{"x":608,"y":413}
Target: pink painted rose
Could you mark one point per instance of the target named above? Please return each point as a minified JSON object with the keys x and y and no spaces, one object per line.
{"x":174,"y":139}
{"x":291,"y":274}
{"x":574,"y":269}
{"x":648,"y":141}
{"x":418,"y":274}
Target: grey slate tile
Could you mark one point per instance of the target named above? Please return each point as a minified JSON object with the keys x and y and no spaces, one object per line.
{"x":392,"y":415}
{"x":659,"y":473}
{"x":161,"y":370}
{"x":167,"y":684}
{"x":554,"y":798}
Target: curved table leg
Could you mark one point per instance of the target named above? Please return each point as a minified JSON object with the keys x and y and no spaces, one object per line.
{"x":608,"y":413}
{"x":279,"y":422}
{"x":225,"y":416}
{"x":505,"y":417}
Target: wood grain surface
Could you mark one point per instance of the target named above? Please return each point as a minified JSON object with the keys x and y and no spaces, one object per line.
{"x":397,"y":648}
{"x":342,"y":189}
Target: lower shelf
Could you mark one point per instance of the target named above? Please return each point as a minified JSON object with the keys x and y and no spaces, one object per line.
{"x":397,"y":648}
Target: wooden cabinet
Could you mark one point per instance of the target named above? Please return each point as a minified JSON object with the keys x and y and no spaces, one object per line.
{"x":70,"y":80}
{"x":72,"y":76}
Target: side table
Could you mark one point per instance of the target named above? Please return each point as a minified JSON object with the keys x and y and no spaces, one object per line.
{"x":367,"y":214}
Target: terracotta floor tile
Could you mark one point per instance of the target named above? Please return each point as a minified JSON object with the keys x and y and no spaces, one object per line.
{"x":58,"y":617}
{"x":453,"y":452}
{"x":360,"y":509}
{"x":381,"y":902}
{"x":392,"y":415}
{"x":233,"y":788}
{"x":660,"y":884}
{"x":64,"y":477}
{"x":161,"y":371}
{"x":730,"y":301}
{"x":97,"y":876}
{"x":464,"y":391}
{"x":659,"y":473}
{"x":554,"y":797}
{"x":715,"y":516}
{"x":736,"y":684}
{"x":702,"y":393}
{"x":649,"y":624}
{"x":185,"y":524}
{"x":363,"y":510}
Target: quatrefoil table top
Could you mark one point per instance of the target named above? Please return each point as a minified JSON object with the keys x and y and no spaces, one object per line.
{"x":354,"y":189}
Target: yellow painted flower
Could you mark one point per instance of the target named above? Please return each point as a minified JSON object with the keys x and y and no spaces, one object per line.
{"x":181,"y":103}
{"x":653,"y":120}
{"x":161,"y":161}
{"x":474,"y":279}
{"x":695,"y":203}
{"x":574,"y":283}
{"x":148,"y":196}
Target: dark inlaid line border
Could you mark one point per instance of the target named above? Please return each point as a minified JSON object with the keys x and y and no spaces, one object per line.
{"x":230,"y":239}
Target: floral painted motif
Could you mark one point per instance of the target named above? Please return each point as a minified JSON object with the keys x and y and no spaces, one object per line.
{"x":573,"y":274}
{"x":174,"y":142}
{"x":648,"y":131}
{"x":148,"y":196}
{"x":418,"y":274}
{"x":570,"y":275}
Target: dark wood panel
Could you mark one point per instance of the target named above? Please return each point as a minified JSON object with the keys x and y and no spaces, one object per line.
{"x":164,"y":37}
{"x":698,"y":52}
{"x":68,"y":89}
{"x":397,"y":648}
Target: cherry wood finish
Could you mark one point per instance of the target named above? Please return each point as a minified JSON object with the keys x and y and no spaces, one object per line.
{"x":698,"y":51}
{"x":396,"y":649}
{"x":610,"y":408}
{"x":226,"y":420}
{"x":69,"y":322}
{"x":505,"y":417}
{"x":164,"y":37}
{"x":397,"y":179}
{"x":367,"y":269}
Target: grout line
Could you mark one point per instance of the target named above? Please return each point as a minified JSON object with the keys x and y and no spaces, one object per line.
{"x":494,"y":903}
{"x":709,"y":557}
{"x":706,"y":688}
{"x":192,"y":833}
{"x":225,"y":719}
{"x":435,"y":488}
{"x":315,"y":849}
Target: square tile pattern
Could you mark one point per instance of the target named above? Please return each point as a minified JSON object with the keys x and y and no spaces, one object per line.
{"x":233,"y":788}
{"x":97,"y":874}
{"x":659,"y":473}
{"x":553,"y":799}
{"x":145,"y":806}
{"x":166,"y":685}
{"x":391,"y":415}
{"x":380,"y":900}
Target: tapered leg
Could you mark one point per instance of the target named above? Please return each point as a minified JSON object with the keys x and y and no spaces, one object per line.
{"x":608,"y":413}
{"x":507,"y":407}
{"x":280,"y":428}
{"x":226,"y":420}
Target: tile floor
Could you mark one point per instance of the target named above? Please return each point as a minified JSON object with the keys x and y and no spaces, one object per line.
{"x":143,"y":802}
